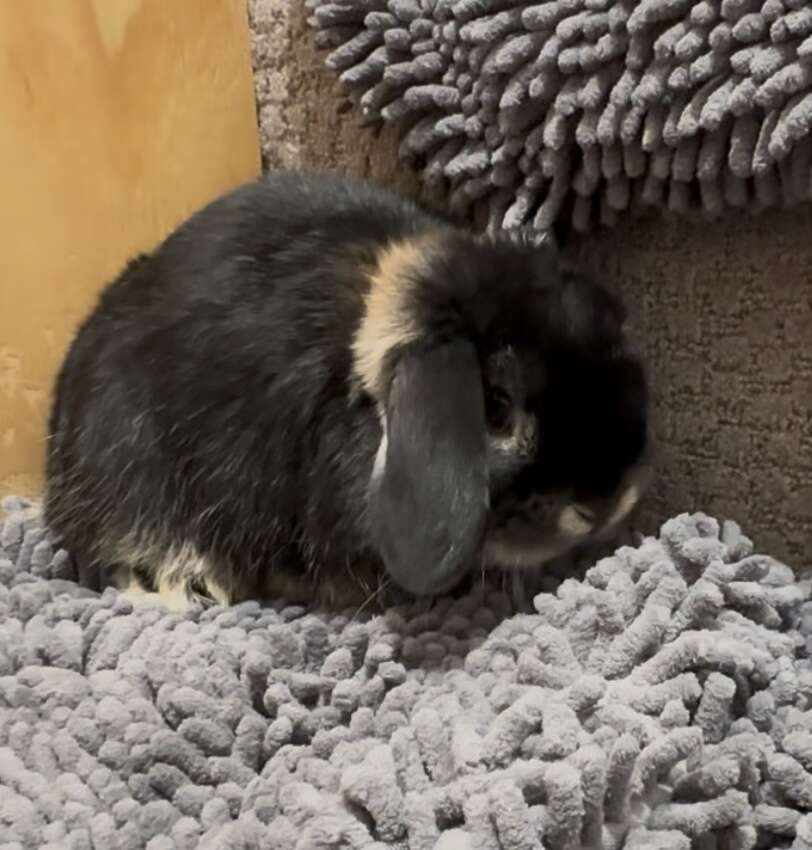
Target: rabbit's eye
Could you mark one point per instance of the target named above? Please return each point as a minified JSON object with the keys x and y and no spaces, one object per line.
{"x":499,"y":410}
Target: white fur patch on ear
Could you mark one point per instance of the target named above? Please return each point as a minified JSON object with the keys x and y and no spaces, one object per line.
{"x":379,"y":467}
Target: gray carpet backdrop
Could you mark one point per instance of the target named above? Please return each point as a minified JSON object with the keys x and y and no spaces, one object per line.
{"x":586,"y":107}
{"x":662,"y":703}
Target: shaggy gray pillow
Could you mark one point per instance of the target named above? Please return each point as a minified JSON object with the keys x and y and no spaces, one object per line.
{"x":587,"y":107}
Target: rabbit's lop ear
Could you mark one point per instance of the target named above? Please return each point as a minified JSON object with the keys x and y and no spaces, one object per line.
{"x":429,"y":489}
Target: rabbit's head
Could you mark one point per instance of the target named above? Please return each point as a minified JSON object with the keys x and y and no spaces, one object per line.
{"x":513,"y":412}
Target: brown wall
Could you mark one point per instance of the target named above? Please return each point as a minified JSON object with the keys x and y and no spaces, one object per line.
{"x":119,"y":117}
{"x":724,"y":315}
{"x":724,"y":311}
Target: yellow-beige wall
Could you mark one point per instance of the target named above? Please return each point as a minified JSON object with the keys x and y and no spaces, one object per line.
{"x":117,"y":119}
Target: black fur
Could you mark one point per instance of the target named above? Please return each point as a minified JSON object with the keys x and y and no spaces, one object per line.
{"x":210,"y":398}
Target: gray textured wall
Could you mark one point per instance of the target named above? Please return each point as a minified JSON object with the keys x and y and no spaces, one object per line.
{"x":723,"y":311}
{"x":724,"y":315}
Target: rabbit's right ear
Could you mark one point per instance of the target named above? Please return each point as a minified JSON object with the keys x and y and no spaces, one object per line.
{"x":428,"y":498}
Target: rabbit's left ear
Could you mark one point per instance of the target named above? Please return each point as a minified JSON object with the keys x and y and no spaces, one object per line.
{"x":429,"y":490}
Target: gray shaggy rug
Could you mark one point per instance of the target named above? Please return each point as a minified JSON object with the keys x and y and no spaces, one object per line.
{"x":587,"y":108}
{"x":664,"y":702}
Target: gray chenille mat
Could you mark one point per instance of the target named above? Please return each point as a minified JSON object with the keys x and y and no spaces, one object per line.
{"x":536,"y":109}
{"x":660,"y":703}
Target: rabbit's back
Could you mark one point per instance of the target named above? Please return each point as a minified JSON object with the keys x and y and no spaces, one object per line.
{"x":205,"y":417}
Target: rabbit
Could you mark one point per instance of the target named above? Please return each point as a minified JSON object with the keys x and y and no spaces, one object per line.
{"x":314,"y":388}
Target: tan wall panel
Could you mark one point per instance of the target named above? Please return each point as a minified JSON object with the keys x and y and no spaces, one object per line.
{"x":117,"y":119}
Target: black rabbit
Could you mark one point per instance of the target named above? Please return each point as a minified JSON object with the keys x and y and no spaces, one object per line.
{"x":313,"y":383}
